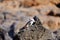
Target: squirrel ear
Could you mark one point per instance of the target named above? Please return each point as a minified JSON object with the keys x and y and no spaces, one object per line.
{"x":36,"y":18}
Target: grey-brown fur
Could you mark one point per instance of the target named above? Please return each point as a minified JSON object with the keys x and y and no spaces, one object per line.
{"x":34,"y":32}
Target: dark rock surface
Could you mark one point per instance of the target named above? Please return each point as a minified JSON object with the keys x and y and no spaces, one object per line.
{"x":2,"y":37}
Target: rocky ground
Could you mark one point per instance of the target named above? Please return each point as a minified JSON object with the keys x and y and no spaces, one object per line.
{"x":14,"y":14}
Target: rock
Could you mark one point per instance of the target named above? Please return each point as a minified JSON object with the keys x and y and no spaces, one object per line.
{"x":2,"y":37}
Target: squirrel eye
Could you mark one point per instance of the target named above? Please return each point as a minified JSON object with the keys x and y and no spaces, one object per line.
{"x":33,"y":23}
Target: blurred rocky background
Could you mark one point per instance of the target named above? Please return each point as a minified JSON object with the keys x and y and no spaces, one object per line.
{"x":14,"y":14}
